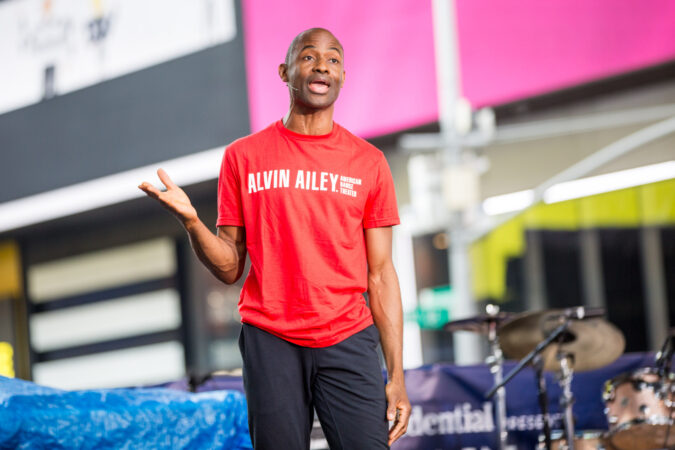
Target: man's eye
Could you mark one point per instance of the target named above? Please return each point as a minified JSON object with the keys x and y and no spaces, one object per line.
{"x":307,"y":57}
{"x":335,"y":61}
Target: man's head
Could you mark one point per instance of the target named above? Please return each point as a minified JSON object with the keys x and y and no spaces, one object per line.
{"x":313,"y":69}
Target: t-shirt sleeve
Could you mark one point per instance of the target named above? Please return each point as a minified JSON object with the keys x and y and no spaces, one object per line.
{"x":230,"y":211}
{"x":381,"y":209}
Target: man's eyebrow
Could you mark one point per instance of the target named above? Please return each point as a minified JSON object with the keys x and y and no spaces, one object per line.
{"x":313,"y":46}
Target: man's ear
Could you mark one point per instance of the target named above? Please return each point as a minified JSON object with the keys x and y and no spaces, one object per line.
{"x":283,"y":72}
{"x":342,"y":83}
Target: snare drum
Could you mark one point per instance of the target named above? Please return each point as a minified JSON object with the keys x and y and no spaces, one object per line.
{"x":639,"y":409}
{"x":583,"y":440}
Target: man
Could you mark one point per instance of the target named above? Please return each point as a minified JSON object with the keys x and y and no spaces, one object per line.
{"x":313,"y":205}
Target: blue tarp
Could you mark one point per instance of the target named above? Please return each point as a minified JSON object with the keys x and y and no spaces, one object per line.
{"x":38,"y":417}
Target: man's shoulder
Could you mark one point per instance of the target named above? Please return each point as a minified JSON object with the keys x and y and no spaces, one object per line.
{"x":364,"y":147}
{"x":253,"y":140}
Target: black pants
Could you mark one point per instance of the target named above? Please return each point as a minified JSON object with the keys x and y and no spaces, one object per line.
{"x":285,"y":382}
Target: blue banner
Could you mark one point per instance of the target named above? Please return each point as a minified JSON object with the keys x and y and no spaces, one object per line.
{"x":449,"y":411}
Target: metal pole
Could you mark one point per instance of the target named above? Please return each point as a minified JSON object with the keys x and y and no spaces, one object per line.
{"x":656,"y":298}
{"x":567,"y":399}
{"x":593,"y":162}
{"x":467,"y":346}
{"x":496,"y":363}
{"x":542,"y":395}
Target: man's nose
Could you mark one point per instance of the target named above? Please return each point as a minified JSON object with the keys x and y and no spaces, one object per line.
{"x":321,"y":66}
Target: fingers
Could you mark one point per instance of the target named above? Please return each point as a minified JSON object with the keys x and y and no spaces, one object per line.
{"x":400,"y":425}
{"x":164,"y":177}
{"x":391,"y":412}
{"x":149,"y":189}
{"x":397,"y":430}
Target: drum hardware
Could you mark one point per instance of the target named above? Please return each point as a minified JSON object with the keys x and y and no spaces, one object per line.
{"x":528,"y":360}
{"x":488,"y":324}
{"x":665,"y":356}
{"x":538,"y":364}
{"x":640,"y":405}
{"x":593,"y":341}
{"x":584,"y":341}
{"x":566,"y":361}
{"x":496,"y":363}
{"x":583,"y":440}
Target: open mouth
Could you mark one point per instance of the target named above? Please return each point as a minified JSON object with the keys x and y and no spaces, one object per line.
{"x":319,"y":86}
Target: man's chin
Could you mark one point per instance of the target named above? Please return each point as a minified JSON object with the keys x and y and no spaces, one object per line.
{"x":323,"y":102}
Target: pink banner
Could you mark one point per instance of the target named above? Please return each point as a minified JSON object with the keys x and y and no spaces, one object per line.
{"x":514,"y":49}
{"x":509,"y":50}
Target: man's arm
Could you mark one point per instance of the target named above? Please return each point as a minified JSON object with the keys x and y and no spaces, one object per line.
{"x":223,"y":254}
{"x":385,"y":303}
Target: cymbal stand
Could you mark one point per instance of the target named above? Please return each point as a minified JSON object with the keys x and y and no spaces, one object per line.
{"x":495,"y":361}
{"x":567,"y":399}
{"x":554,"y":335}
{"x":538,"y":365}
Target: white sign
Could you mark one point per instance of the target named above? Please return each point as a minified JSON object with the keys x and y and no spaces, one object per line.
{"x":51,"y":47}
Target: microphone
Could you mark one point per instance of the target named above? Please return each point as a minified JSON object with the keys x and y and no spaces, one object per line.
{"x":292,"y":87}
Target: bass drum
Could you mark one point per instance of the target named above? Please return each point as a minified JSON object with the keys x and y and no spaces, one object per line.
{"x":640,"y":410}
{"x":583,"y":440}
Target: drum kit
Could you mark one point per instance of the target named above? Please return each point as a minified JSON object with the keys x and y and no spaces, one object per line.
{"x":639,"y":405}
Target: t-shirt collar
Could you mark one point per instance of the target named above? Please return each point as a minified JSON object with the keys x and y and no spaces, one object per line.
{"x":308,"y":137}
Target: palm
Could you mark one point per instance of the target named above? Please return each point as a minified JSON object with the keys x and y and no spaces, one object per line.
{"x":176,"y":201}
{"x":174,"y":198}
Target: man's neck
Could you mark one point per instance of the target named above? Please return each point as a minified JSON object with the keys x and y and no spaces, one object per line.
{"x":314,"y":123}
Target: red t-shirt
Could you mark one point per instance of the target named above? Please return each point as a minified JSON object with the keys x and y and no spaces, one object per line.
{"x":305,"y":201}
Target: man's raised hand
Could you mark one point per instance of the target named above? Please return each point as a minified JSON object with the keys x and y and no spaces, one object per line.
{"x":173,"y":199}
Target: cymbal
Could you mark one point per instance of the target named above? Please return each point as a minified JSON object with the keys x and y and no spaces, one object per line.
{"x":478,"y":324}
{"x":594,"y":342}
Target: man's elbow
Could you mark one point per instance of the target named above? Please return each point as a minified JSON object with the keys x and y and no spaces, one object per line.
{"x":229,"y":274}
{"x":378,"y":273}
{"x":375,"y":280}
{"x":229,"y":279}
{"x":377,"y":284}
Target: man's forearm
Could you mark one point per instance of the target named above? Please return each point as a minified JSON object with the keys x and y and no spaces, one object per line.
{"x":219,"y":254}
{"x":385,"y":303}
{"x":224,"y":254}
